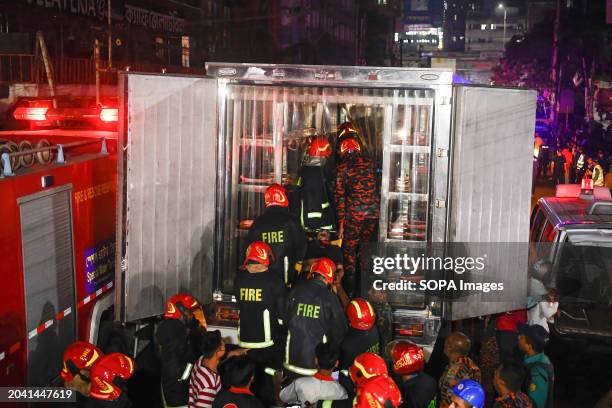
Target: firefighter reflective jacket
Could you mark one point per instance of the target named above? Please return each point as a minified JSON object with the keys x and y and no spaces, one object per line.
{"x":279,"y":229}
{"x":357,"y":342}
{"x":356,"y":189}
{"x":176,"y":358}
{"x":261,"y":299}
{"x":316,"y":211}
{"x":314,"y":316}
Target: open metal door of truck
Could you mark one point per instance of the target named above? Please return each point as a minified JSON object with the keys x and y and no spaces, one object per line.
{"x":167,"y":183}
{"x":490,"y":193}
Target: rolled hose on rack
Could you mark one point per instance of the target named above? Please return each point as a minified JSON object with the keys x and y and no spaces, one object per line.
{"x":26,"y":160}
{"x":45,"y":157}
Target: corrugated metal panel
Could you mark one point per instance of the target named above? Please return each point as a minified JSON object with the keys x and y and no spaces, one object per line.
{"x":491,"y":186}
{"x":170,"y":194}
{"x":46,"y":233}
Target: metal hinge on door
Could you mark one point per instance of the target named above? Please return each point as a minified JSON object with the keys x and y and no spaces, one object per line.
{"x":442,"y":152}
{"x":440,"y":203}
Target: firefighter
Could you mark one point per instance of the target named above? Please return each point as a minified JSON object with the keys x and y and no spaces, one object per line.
{"x":316,"y":211}
{"x":418,"y":388}
{"x":357,"y":204}
{"x":366,"y":367}
{"x":362,"y":335}
{"x":281,"y":231}
{"x":322,"y":246}
{"x":379,"y":392}
{"x":108,"y":381}
{"x":175,"y":348}
{"x":314,"y":316}
{"x":79,"y":358}
{"x":261,"y":300}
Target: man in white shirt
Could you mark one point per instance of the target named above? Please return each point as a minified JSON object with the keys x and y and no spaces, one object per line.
{"x":321,"y":386}
{"x":544,"y":311}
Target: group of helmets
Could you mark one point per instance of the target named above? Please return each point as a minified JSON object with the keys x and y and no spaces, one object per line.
{"x":260,"y":253}
{"x":375,"y":388}
{"x":347,"y":142}
{"x":107,"y":374}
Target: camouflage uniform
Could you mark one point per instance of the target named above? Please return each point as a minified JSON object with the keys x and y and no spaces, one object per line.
{"x":358,"y":208}
{"x":489,"y":361}
{"x":513,"y":400}
{"x":384,"y":323}
{"x":461,"y":369}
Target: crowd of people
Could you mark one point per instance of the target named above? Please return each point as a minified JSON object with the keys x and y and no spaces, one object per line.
{"x":571,"y":157}
{"x":305,"y":338}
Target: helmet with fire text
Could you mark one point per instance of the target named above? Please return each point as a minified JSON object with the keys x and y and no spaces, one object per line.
{"x":350,"y":145}
{"x":276,"y":195}
{"x":78,"y":356}
{"x":360,"y":314}
{"x":379,"y":392}
{"x":366,"y":366}
{"x":347,"y":129}
{"x":109,"y":376}
{"x":178,"y":304}
{"x":319,"y":147}
{"x":259,"y":252}
{"x":326,"y":268}
{"x":471,"y":392}
{"x":407,"y":357}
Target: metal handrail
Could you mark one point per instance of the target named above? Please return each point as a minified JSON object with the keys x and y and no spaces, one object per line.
{"x":5,"y":158}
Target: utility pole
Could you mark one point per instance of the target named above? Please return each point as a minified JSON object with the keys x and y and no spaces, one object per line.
{"x":553,"y":62}
{"x":110,"y":34}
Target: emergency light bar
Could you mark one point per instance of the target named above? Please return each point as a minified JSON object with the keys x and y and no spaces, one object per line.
{"x":27,"y":113}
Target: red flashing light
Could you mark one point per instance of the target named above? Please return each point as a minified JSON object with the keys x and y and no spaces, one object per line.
{"x":587,"y":184}
{"x":109,"y":115}
{"x":27,"y":113}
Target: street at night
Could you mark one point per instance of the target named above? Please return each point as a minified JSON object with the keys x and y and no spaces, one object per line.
{"x":306,"y":203}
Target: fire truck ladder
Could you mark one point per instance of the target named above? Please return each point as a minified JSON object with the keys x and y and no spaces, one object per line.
{"x":7,"y":167}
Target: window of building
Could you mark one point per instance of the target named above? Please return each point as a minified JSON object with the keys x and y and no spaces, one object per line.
{"x":160,"y":49}
{"x":493,"y":26}
{"x":454,"y":38}
{"x":483,"y":26}
{"x":185,"y":50}
{"x":455,"y":17}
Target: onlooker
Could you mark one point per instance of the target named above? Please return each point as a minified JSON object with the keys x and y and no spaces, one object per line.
{"x":241,"y":372}
{"x":558,"y":171}
{"x":205,"y":382}
{"x":508,"y":380}
{"x":542,"y":312}
{"x":567,"y":154}
{"x":468,"y":394}
{"x":540,"y":377}
{"x":507,"y":334}
{"x":457,"y":347}
{"x":321,"y":386}
{"x":595,"y":172}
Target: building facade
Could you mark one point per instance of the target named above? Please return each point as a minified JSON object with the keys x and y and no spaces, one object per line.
{"x":489,"y":31}
{"x":161,"y":32}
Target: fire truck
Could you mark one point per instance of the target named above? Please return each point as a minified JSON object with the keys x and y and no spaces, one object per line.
{"x":58,"y":188}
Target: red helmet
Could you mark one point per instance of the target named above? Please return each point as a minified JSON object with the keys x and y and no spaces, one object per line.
{"x":109,"y":375}
{"x":259,"y":252}
{"x":177,"y":304}
{"x":276,"y":195}
{"x":407,"y":357}
{"x":360,"y":314}
{"x":378,"y":392}
{"x":367,"y":365}
{"x":326,"y":268}
{"x":319,"y":146}
{"x":349,"y":145}
{"x":347,"y":128}
{"x":78,"y":356}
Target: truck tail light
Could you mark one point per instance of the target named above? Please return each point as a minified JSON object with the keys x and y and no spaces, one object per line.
{"x":31,"y":113}
{"x":109,"y":115}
